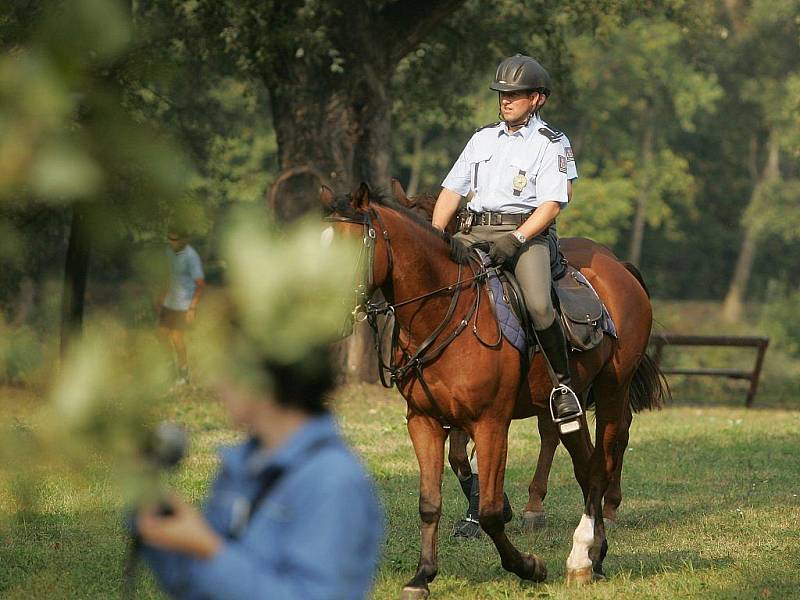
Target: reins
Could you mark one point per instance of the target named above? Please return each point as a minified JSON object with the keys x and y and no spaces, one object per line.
{"x":426,"y":352}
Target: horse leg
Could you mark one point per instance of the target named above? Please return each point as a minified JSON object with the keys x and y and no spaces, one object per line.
{"x":589,"y":543}
{"x":469,"y":526}
{"x":491,"y":443}
{"x":427,"y":436}
{"x":533,"y":516}
{"x":580,"y":448}
{"x":459,"y":461}
{"x":613,"y":496}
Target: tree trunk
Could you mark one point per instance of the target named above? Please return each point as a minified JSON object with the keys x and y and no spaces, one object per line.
{"x":346,"y":141}
{"x":76,"y":271}
{"x":640,"y":220}
{"x":733,"y":305}
{"x":333,"y":119}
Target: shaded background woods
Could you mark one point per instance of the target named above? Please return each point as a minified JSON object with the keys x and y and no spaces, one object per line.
{"x":117,"y":117}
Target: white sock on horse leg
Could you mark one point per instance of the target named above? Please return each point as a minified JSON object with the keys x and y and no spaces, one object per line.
{"x":582,"y":540}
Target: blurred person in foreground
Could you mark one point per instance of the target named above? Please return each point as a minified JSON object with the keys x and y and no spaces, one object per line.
{"x":177,"y":307}
{"x":292,"y":513}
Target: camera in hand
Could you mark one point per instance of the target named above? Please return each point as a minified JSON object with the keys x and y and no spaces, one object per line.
{"x":166,"y":445}
{"x":164,"y":448}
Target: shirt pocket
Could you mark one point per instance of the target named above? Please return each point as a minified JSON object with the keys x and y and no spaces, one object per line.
{"x":479,"y":171}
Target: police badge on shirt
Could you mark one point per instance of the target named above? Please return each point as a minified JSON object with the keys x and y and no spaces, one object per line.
{"x":562,"y":163}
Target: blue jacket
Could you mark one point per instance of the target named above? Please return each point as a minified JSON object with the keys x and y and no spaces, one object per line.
{"x":316,"y":535}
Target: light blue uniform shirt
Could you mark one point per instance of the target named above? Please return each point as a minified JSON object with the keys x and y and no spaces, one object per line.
{"x":316,"y":535}
{"x":510,"y":172}
{"x":572,"y":167}
{"x":185,"y":268}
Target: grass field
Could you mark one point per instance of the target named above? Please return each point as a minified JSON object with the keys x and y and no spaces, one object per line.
{"x":711,"y":504}
{"x":711,"y":510}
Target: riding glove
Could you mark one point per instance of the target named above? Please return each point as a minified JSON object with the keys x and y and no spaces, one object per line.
{"x":459,"y":252}
{"x":504,"y":249}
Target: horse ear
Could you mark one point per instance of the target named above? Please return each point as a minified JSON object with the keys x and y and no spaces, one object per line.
{"x":361,"y":197}
{"x":326,"y":196}
{"x":398,"y":193}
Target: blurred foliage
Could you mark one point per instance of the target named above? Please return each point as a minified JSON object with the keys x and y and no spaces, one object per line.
{"x":305,"y":301}
{"x":103,"y":403}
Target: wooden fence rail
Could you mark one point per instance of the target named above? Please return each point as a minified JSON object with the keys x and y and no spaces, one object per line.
{"x":659,"y":340}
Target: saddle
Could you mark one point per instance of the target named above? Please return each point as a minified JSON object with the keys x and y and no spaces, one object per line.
{"x":583,"y":316}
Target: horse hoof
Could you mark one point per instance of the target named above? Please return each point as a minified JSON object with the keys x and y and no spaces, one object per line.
{"x":533,"y":521}
{"x":534,"y":568}
{"x":413,"y":593}
{"x":582,"y":576}
{"x":467,"y":530}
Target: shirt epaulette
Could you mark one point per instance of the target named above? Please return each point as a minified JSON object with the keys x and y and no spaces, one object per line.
{"x":495,"y":124}
{"x":550,"y":134}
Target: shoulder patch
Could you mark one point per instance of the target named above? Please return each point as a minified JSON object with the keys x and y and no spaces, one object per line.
{"x":551,"y":135}
{"x":570,"y":155}
{"x":495,"y":124}
{"x":562,"y":164}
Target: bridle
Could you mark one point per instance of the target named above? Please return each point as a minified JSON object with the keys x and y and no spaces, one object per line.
{"x":393,"y":372}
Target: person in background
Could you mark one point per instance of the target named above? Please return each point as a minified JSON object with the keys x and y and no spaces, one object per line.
{"x":291,"y":513}
{"x":177,"y":307}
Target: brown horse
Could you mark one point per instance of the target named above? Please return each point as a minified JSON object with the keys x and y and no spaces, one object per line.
{"x":449,"y":375}
{"x":533,"y":516}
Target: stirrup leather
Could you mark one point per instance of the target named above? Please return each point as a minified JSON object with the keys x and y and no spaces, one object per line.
{"x":569,"y":423}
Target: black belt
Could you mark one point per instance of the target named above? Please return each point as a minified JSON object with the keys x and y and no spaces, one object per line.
{"x":496,"y":218}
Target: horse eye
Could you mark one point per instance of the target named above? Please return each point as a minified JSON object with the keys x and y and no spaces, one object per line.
{"x":326,"y":237}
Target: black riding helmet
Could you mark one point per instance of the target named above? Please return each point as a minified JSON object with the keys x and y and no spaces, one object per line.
{"x":520,"y":72}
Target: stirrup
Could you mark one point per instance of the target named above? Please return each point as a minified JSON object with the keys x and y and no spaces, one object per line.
{"x":569,"y":423}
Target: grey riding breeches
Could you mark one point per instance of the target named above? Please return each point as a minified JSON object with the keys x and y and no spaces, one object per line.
{"x":531,"y":267}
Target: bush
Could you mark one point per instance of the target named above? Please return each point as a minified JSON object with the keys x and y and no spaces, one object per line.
{"x":779,"y":317}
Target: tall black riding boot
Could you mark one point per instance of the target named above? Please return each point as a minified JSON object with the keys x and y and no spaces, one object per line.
{"x":564,"y":405}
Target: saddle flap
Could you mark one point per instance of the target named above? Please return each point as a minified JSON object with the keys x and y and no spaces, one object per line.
{"x":578,"y":301}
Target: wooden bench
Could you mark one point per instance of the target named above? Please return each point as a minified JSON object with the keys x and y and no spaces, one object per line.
{"x":659,"y":340}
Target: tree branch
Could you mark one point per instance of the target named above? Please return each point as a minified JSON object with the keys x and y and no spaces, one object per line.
{"x":408,"y":23}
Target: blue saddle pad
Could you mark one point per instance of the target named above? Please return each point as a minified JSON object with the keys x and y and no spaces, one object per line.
{"x":508,"y":321}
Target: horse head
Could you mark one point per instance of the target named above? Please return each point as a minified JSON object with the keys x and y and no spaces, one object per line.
{"x":351,"y":215}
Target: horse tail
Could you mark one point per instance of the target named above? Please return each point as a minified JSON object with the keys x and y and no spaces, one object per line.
{"x":649,"y":388}
{"x":634,"y":270}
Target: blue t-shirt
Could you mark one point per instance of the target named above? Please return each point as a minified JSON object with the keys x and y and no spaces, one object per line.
{"x":185,"y":268}
{"x":316,"y":535}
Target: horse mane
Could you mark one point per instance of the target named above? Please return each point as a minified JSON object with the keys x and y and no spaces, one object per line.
{"x":344,"y":207}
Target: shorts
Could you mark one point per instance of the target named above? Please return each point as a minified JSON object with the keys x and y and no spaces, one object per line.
{"x":172,"y":319}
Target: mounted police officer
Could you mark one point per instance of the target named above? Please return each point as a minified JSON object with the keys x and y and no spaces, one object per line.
{"x":517,"y":171}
